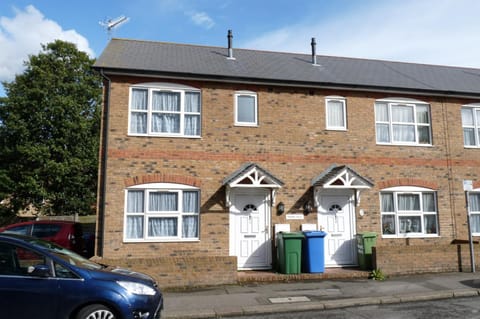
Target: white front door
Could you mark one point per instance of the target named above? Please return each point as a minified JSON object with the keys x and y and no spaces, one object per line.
{"x":336,"y":218}
{"x":249,"y":229}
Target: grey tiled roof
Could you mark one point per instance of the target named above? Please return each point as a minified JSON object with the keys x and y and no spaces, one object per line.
{"x":193,"y":61}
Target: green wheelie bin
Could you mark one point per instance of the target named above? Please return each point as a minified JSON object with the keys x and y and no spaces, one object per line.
{"x":365,"y":242}
{"x":289,"y":252}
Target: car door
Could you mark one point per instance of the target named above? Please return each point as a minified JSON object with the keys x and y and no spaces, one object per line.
{"x":22,"y":295}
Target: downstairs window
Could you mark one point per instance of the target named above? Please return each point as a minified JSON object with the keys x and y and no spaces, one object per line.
{"x":162,"y":212}
{"x":408,"y":212}
{"x":474,"y":206}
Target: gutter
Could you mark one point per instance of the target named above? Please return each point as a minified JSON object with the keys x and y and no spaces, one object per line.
{"x":311,"y":85}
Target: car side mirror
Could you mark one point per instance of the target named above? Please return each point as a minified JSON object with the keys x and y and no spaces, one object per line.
{"x":40,"y":270}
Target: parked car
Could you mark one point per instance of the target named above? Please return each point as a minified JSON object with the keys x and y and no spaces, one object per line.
{"x":42,"y":280}
{"x":64,"y":233}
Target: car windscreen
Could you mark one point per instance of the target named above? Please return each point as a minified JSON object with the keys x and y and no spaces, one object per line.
{"x":67,"y":255}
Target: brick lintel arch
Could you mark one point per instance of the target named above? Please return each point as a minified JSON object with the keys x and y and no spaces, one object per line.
{"x":407,"y":182}
{"x":162,"y":178}
{"x":476,"y":184}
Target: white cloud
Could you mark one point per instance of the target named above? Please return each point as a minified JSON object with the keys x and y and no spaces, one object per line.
{"x":428,"y":31}
{"x":202,"y":19}
{"x":23,"y":35}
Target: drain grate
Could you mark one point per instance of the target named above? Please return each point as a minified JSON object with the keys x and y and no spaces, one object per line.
{"x":289,"y":299}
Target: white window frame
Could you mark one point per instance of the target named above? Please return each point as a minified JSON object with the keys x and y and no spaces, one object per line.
{"x":395,"y":102}
{"x":236,"y":113}
{"x":474,"y":211}
{"x":164,"y":87}
{"x":344,"y":111}
{"x":397,"y":229}
{"x":475,"y":109}
{"x":147,"y":214}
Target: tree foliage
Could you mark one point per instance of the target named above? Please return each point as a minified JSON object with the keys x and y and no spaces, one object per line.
{"x":49,"y":133}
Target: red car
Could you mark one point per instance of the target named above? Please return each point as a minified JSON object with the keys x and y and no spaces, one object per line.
{"x":64,"y":233}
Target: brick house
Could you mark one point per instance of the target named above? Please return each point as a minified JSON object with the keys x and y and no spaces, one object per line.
{"x":207,"y":151}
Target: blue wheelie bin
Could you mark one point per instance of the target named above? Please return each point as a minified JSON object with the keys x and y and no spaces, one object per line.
{"x":314,"y":251}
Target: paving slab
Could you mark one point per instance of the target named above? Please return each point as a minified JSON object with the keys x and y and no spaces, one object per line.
{"x":302,"y":295}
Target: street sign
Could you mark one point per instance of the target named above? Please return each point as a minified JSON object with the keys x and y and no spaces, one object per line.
{"x":467,"y":185}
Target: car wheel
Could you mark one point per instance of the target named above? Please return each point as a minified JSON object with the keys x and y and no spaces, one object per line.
{"x":95,"y":312}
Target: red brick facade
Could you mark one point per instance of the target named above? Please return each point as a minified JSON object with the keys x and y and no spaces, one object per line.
{"x":291,"y":142}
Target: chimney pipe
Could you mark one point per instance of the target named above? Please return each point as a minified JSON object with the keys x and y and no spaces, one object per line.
{"x":314,"y":52}
{"x":230,"y":49}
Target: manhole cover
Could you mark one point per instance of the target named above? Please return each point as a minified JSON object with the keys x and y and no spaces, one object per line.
{"x":289,"y":299}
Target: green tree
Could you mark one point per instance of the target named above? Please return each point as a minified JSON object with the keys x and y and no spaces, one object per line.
{"x":49,"y":134}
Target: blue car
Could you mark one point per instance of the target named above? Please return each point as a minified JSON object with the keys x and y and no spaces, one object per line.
{"x":41,"y":280}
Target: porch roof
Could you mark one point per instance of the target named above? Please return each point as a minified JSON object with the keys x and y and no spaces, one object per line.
{"x":250,"y":174}
{"x":341,"y":176}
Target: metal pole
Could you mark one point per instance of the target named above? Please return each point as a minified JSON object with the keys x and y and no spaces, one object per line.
{"x":470,"y":239}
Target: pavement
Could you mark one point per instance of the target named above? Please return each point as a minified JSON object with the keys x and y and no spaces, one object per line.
{"x":257,"y":298}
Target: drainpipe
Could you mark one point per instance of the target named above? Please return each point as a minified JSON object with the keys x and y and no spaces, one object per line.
{"x":102,"y":184}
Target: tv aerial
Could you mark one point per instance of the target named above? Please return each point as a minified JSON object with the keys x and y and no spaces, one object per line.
{"x":111,"y":24}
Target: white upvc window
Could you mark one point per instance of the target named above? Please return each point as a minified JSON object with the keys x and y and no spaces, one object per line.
{"x":162,"y":109}
{"x":408,"y":212}
{"x":336,"y":113}
{"x":474,"y":208}
{"x":471,"y":125}
{"x":161,"y":212}
{"x":402,"y":122}
{"x":246,"y":108}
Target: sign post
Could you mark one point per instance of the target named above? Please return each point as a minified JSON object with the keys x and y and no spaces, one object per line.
{"x":467,"y":187}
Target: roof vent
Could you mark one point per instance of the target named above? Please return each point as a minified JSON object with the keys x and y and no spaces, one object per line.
{"x":314,"y":52}
{"x":230,"y":49}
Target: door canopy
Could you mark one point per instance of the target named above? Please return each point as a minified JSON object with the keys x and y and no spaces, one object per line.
{"x":251,"y":175}
{"x":341,"y":177}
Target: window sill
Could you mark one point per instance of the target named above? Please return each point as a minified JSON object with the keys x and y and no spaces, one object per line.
{"x":164,"y":135}
{"x":340,"y":129}
{"x":417,"y":236}
{"x":246,"y":125}
{"x":173,"y":240}
{"x":400,"y":144}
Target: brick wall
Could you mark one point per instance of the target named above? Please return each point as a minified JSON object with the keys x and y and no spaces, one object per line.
{"x":423,"y":259}
{"x":186,"y":272}
{"x":291,"y":142}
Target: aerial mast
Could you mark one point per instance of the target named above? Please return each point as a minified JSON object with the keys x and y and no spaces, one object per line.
{"x":111,"y":24}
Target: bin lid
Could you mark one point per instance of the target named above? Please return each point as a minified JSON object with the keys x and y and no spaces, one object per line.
{"x":292,"y":235}
{"x":367,"y":234}
{"x":314,"y":233}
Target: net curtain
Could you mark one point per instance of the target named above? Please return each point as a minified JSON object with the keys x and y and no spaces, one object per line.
{"x":162,"y":226}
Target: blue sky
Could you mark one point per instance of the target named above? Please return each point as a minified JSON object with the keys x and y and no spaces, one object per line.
{"x":422,"y":31}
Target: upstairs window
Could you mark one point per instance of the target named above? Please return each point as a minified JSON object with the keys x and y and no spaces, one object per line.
{"x":402,"y":122}
{"x":246,"y":110}
{"x":408,"y":212}
{"x":165,"y":110}
{"x":336,"y":117}
{"x":471,"y":125}
{"x":162,"y":212}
